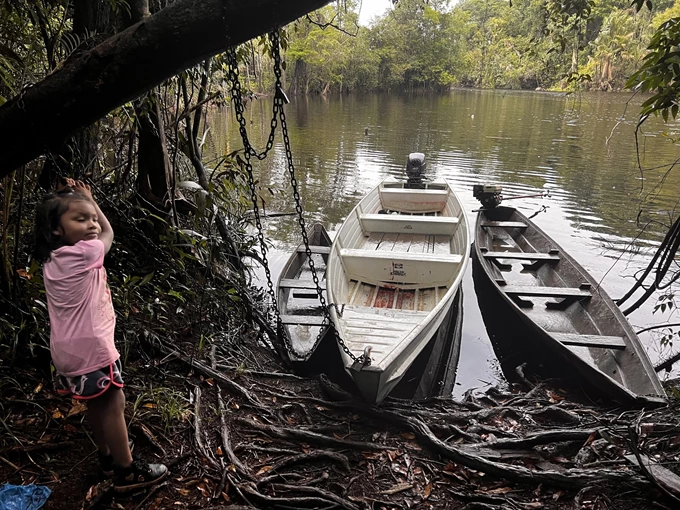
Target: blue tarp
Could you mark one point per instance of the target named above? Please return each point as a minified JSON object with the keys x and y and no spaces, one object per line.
{"x":23,"y":497}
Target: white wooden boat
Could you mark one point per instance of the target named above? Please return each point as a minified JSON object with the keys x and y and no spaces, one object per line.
{"x":299,"y":306}
{"x":393,"y":271}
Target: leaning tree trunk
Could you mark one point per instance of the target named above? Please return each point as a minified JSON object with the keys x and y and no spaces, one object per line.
{"x":78,"y":155}
{"x":129,"y":64}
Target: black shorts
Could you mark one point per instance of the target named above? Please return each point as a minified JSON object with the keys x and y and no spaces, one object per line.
{"x":91,"y":385}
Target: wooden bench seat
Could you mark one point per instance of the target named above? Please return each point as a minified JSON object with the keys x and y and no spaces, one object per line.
{"x":551,"y":292}
{"x":604,"y":342}
{"x":402,"y":223}
{"x":504,"y":224}
{"x":305,"y":320}
{"x":399,"y":267}
{"x":519,"y":255}
{"x":299,"y":284}
{"x":321,"y":250}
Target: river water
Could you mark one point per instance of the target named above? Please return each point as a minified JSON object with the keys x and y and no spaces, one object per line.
{"x":580,"y":148}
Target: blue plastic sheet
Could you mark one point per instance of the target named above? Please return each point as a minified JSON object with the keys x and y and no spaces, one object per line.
{"x":23,"y":497}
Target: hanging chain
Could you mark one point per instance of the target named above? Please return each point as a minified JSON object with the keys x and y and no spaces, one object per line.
{"x":279,"y":100}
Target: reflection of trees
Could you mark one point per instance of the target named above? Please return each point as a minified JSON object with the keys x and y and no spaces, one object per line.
{"x":523,"y":140}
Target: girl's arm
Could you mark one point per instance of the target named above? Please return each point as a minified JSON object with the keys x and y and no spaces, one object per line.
{"x":106,"y":235}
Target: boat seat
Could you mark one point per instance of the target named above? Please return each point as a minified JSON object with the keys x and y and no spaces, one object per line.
{"x":401,"y":223}
{"x":321,"y":250}
{"x":400,"y":267}
{"x":291,"y":283}
{"x":304,"y":320}
{"x":504,"y":224}
{"x":520,"y":255}
{"x":604,"y":342}
{"x":551,"y":292}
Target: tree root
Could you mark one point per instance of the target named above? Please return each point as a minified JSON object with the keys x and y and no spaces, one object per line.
{"x":311,"y":437}
{"x":306,"y":457}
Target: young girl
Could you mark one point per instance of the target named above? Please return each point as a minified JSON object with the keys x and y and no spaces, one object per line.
{"x":72,"y":235}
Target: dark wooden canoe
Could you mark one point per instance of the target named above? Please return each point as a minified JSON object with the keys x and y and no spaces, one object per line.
{"x":565,"y":317}
{"x":297,"y":297}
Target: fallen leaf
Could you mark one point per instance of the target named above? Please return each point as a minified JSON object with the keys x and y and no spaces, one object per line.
{"x":210,"y":381}
{"x":204,"y":490}
{"x":532,"y":504}
{"x":57,"y":414}
{"x":554,"y":397}
{"x":184,"y":492}
{"x":393,"y":454}
{"x":219,"y":451}
{"x":70,"y":428}
{"x":149,"y":405}
{"x":263,"y":470}
{"x":338,"y":436}
{"x":591,"y":438}
{"x":226,"y":497}
{"x":78,"y":408}
{"x":38,"y":388}
{"x":321,"y":408}
{"x":236,"y":406}
{"x":24,"y":274}
{"x":371,"y":455}
{"x":408,"y":435}
{"x":499,"y":490}
{"x":400,"y":487}
{"x":427,"y":490}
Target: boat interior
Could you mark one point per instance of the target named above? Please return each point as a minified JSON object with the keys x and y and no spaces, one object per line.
{"x":556,"y":296}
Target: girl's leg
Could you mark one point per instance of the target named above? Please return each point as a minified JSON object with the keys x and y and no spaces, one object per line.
{"x":106,"y":415}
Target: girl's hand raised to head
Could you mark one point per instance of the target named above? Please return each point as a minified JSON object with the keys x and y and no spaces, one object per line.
{"x":83,"y":189}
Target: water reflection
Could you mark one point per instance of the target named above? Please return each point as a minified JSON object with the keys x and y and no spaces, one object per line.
{"x":581,"y":148}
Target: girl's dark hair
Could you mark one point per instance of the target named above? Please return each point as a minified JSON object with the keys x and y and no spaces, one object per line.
{"x":47,"y":216}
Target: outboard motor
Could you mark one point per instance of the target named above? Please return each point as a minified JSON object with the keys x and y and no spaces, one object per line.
{"x":488,"y":194}
{"x":415,"y":169}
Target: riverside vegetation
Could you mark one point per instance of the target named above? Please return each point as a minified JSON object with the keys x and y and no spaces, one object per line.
{"x":207,"y":389}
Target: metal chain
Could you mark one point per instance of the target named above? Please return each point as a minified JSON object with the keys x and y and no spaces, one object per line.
{"x":279,"y":100}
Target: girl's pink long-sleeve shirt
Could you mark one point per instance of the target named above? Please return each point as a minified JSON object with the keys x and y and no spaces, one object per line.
{"x":82,"y":318}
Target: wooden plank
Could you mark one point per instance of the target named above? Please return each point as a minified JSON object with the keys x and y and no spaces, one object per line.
{"x":449,"y":258}
{"x":387,"y":243}
{"x":441,"y":245}
{"x":556,"y":292}
{"x":406,"y":299}
{"x":419,"y":243}
{"x":372,"y":242}
{"x":504,"y":224}
{"x":305,"y":320}
{"x":384,"y":298}
{"x":426,"y":299}
{"x":520,"y":255}
{"x":292,"y":283}
{"x":402,"y":242}
{"x":321,"y":250}
{"x":601,"y":341}
{"x":396,"y":223}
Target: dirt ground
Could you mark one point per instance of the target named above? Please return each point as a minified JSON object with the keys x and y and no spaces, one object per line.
{"x":260,"y":437}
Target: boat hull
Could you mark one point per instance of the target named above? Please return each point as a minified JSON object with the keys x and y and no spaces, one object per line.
{"x":297,"y":297}
{"x":392,"y":279}
{"x":562,"y":314}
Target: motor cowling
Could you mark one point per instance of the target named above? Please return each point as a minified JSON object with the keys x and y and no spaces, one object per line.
{"x":415,"y":169}
{"x":488,"y":194}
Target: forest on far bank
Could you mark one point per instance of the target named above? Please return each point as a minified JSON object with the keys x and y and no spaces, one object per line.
{"x":517,"y":44}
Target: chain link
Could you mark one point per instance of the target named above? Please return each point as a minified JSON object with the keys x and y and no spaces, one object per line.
{"x":278,"y":113}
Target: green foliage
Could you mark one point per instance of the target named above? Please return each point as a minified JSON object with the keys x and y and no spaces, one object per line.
{"x":660,"y":72}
